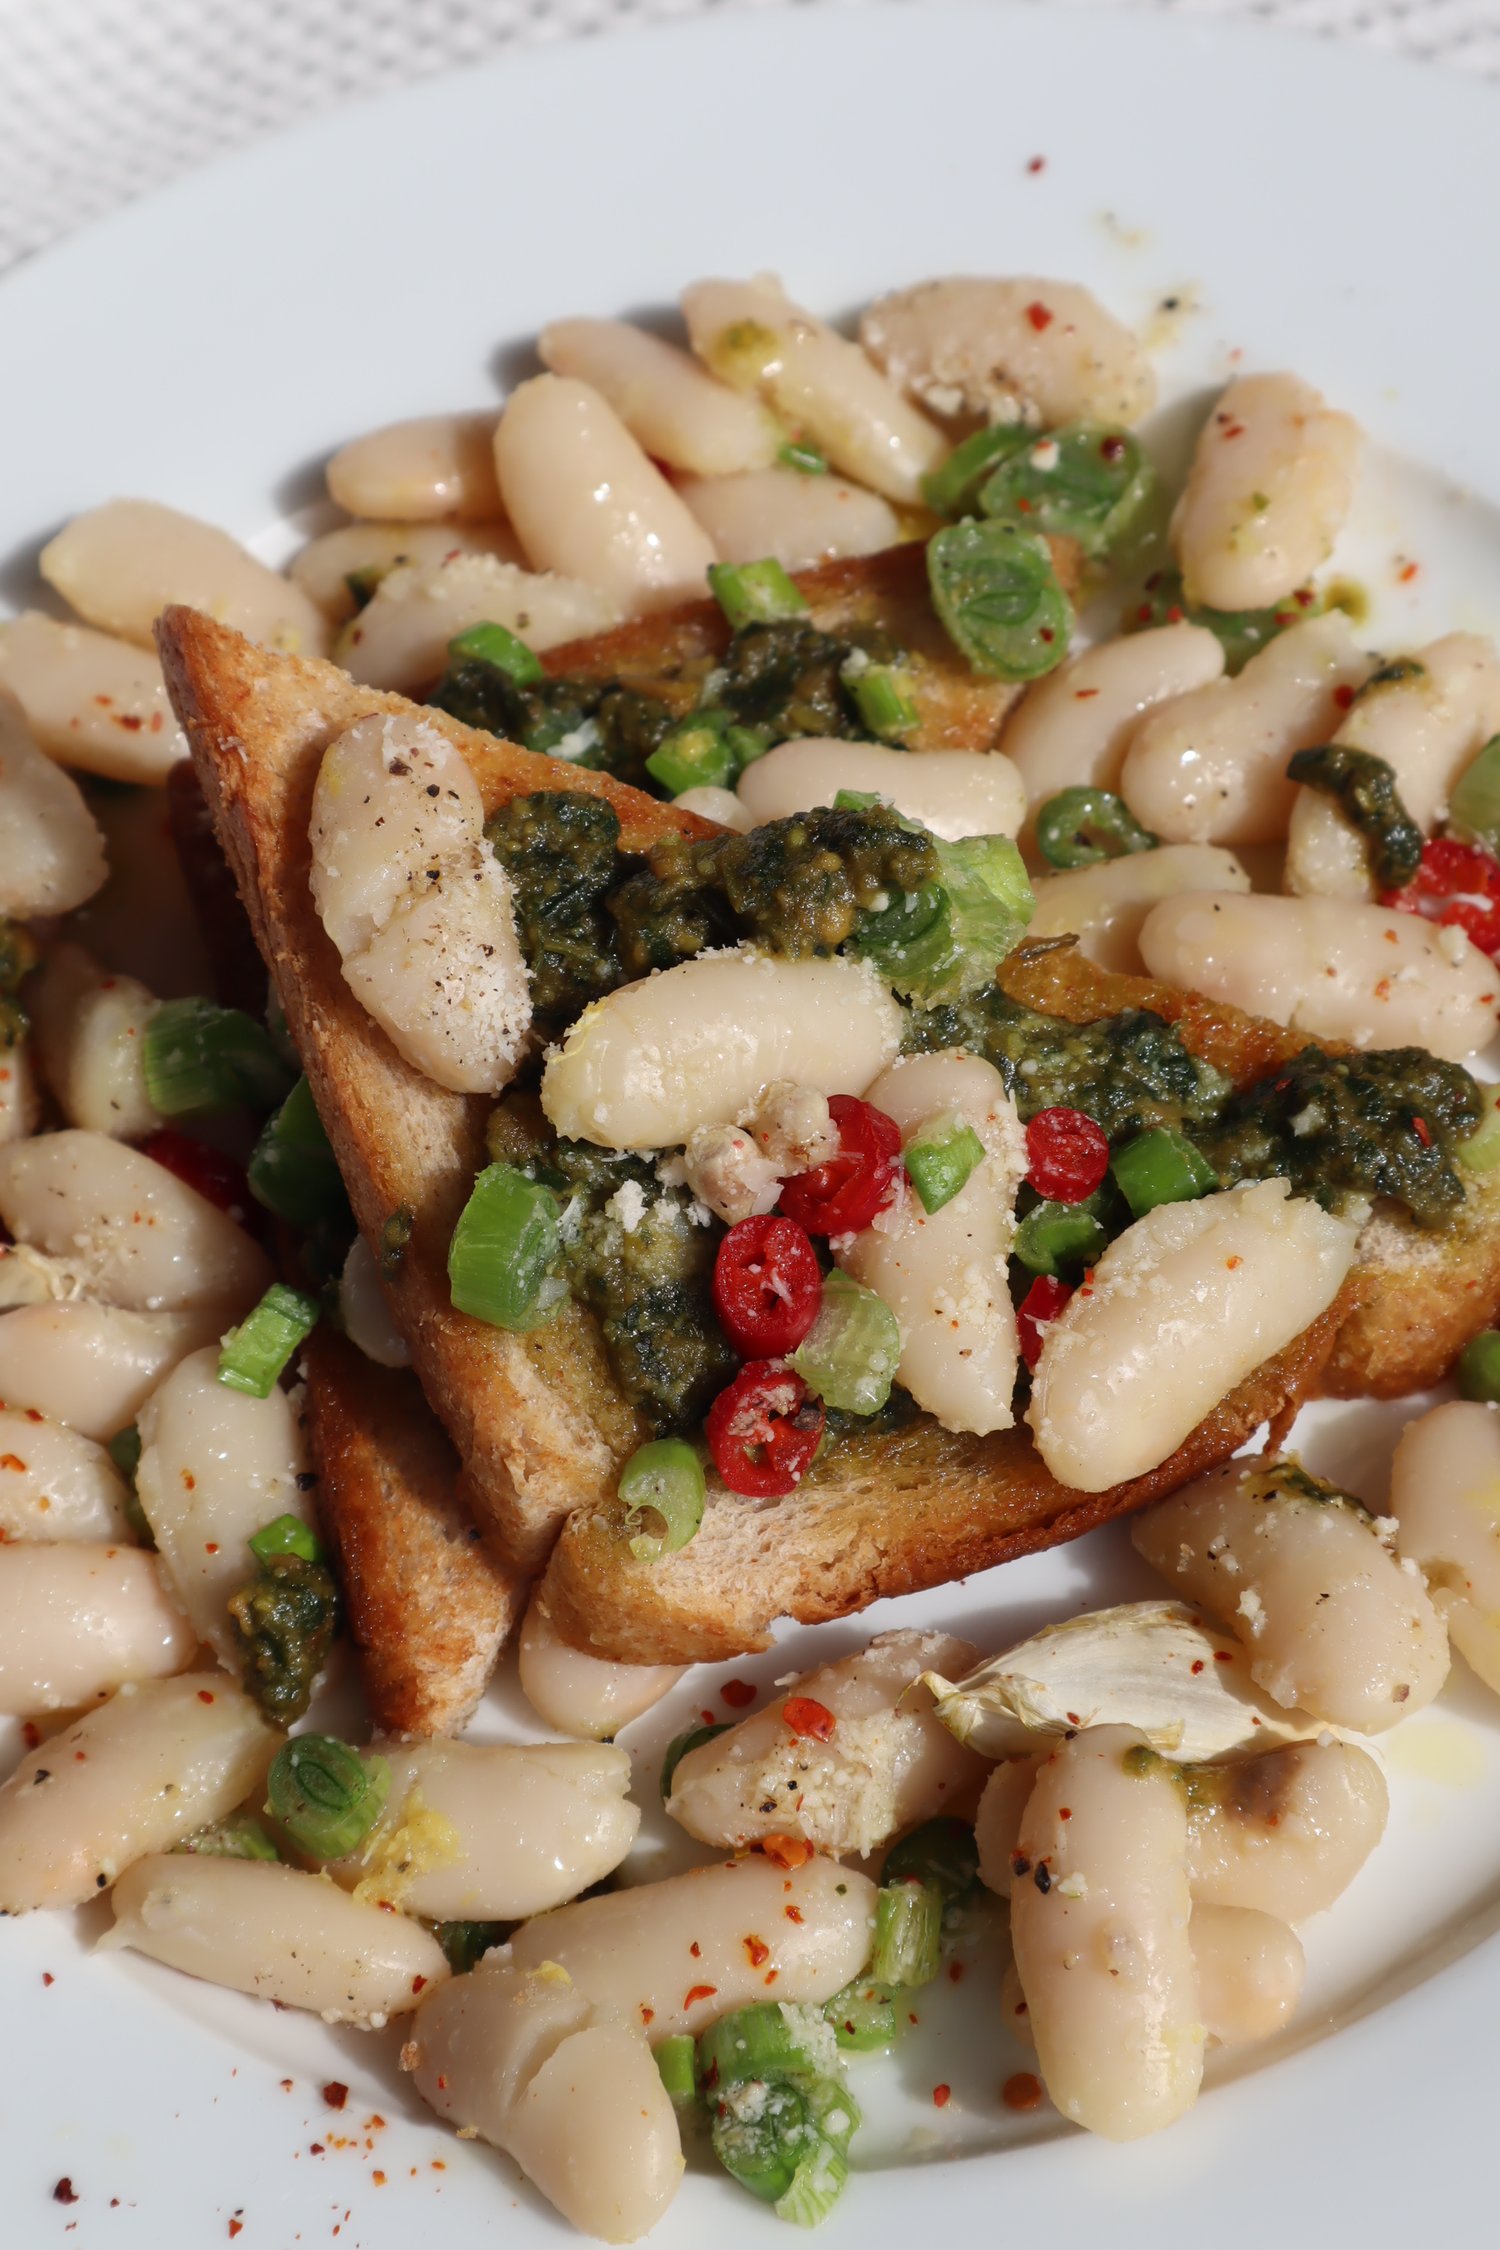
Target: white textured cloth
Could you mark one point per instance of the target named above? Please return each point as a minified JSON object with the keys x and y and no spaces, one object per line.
{"x":102,"y":99}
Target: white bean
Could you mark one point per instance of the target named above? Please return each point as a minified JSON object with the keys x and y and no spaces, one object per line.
{"x":751,"y":334}
{"x":1428,"y":720}
{"x":796,"y":519}
{"x":581,"y":1694}
{"x":325,"y":565}
{"x":275,"y":1933}
{"x":90,"y":1038}
{"x":888,"y":1763}
{"x":1250,"y":1971}
{"x":400,"y":638}
{"x":51,"y":851}
{"x":55,"y":1484}
{"x":1106,"y":905}
{"x":77,"y":1620}
{"x":144,"y":1240}
{"x":997,"y":1824}
{"x":90,"y":700}
{"x":436,"y":465}
{"x":1332,"y":968}
{"x":20,"y":1102}
{"x":216,"y":1466}
{"x":674,"y":1956}
{"x":1287,"y":1832}
{"x":1023,"y":349}
{"x":159,"y":1761}
{"x":369,"y":1323}
{"x":93,"y":1367}
{"x":1210,"y":768}
{"x":586,"y":500}
{"x":672,"y":408}
{"x":694,"y":1045}
{"x":953,"y":792}
{"x":123,"y":563}
{"x":1305,"y":1580}
{"x":943,"y":1273}
{"x":1445,"y":1496}
{"x":1271,"y":482}
{"x":565,"y":2088}
{"x":1181,"y":1307}
{"x":1103,"y":1951}
{"x":1071,"y":729}
{"x":721,"y":805}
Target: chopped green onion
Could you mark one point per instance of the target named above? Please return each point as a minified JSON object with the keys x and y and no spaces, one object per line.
{"x":1161,"y":1166}
{"x":760,"y":2136}
{"x":695,"y":754}
{"x":941,"y":1158}
{"x":1078,"y":827}
{"x":805,"y":458}
{"x":238,"y":1836}
{"x":1084,"y":482}
{"x":1479,"y":1368}
{"x":293,"y":1173}
{"x":664,"y":1479}
{"x":816,"y":2185}
{"x":941,"y":1851}
{"x":362,"y":583}
{"x":287,"y":1535}
{"x":755,"y":593}
{"x":748,"y":744}
{"x":679,"y":1746}
{"x":856,"y":800}
{"x":124,"y":1450}
{"x":864,"y":2017}
{"x":503,"y":1250}
{"x":849,"y":1356}
{"x":198,"y":1058}
{"x":763,"y":2040}
{"x":677,"y":2061}
{"x":325,"y":1796}
{"x":497,"y":645}
{"x":950,"y":488}
{"x":945,"y":943}
{"x":1479,"y":1153}
{"x":1054,"y":1236}
{"x":1363,"y":787}
{"x":253,"y":1355}
{"x":1242,"y":633}
{"x":880,"y":698}
{"x":908,"y":1932}
{"x":465,"y":1944}
{"x":1474,"y":806}
{"x":832,"y":2107}
{"x":998,"y":598}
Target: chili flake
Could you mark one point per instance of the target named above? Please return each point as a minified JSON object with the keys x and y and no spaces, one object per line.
{"x":335,"y":2093}
{"x":1039,"y":315}
{"x":786,"y":1851}
{"x":941,"y":2096}
{"x":1023,"y":2091}
{"x":65,"y":2192}
{"x":737,"y":1693}
{"x":697,"y":1992}
{"x":806,"y":1717}
{"x":757,"y":1952}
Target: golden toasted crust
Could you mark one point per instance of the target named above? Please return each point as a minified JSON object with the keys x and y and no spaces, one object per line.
{"x":429,"y":1605}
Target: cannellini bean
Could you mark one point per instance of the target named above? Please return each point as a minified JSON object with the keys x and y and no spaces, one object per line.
{"x":90,"y":700}
{"x":216,"y":1466}
{"x":1106,"y":905}
{"x":1071,"y":729}
{"x":1332,"y":968}
{"x":943,"y":1273}
{"x":1445,"y":1497}
{"x":1181,"y":1307}
{"x":888,"y":1762}
{"x":1311,"y":1586}
{"x":20,"y":1103}
{"x":121,"y":564}
{"x":1286,"y":1832}
{"x":751,"y":334}
{"x":1103,"y":1952}
{"x":721,"y":805}
{"x":400,"y":638}
{"x":93,"y":1367}
{"x":51,"y":851}
{"x":418,"y":906}
{"x":325,"y":566}
{"x":674,"y":410}
{"x":585,"y":499}
{"x":673,"y":1956}
{"x":796,"y":519}
{"x":78,"y":1619}
{"x":436,"y":465}
{"x":1210,"y":767}
{"x":695,"y":1044}
{"x":55,"y":1484}
{"x":144,"y":1240}
{"x":1250,"y":1971}
{"x":143,"y":922}
{"x":567,"y":2089}
{"x":578,"y":1693}
{"x":1023,"y":349}
{"x":953,"y":792}
{"x":369,"y":1323}
{"x":997,"y":1824}
{"x":1428,"y":718}
{"x":1271,"y":482}
{"x":276,"y":1933}
{"x":156,"y":1763}
{"x":90,"y":1036}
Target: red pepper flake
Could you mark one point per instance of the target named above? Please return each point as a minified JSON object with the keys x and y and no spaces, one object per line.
{"x":1234,"y":429}
{"x":648,"y":2015}
{"x":205,"y":1695}
{"x":418,"y":1984}
{"x":757,"y":1952}
{"x":792,"y":1913}
{"x":1024,"y":2091}
{"x":955,"y":1972}
{"x":786,"y":1851}
{"x":65,"y":2192}
{"x":315,"y":2148}
{"x":1223,"y":1656}
{"x":335,"y":2094}
{"x":696,"y":1950}
{"x":737,"y":1693}
{"x":236,"y":2226}
{"x":31,"y":1734}
{"x":708,"y":1718}
{"x":1232,"y":1265}
{"x":770,"y":1976}
{"x":1112,"y":448}
{"x":1039,"y":315}
{"x":1420,"y":1128}
{"x":697,"y":1992}
{"x":1197,"y":1666}
{"x":1064,"y":1812}
{"x":941,"y":2096}
{"x":1407,"y":573}
{"x":1343,"y":696}
{"x":378,"y":2178}
{"x":12,"y":1461}
{"x":1037,"y":164}
{"x":1084,"y":694}
{"x":48,"y":1977}
{"x":806,"y":1717}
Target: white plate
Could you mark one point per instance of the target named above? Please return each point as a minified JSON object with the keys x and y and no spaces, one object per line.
{"x":1306,"y":206}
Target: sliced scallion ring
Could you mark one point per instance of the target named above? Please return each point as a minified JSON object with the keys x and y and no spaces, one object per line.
{"x":940,"y":1158}
{"x":325,"y":1795}
{"x":998,"y":598}
{"x":908,"y":1932}
{"x":849,"y":1356}
{"x":950,"y":488}
{"x":754,"y":593}
{"x":881,"y":695}
{"x":664,"y":1480}
{"x":503,"y":1250}
{"x":199,"y":1058}
{"x":1079,"y":827}
{"x":498,"y":646}
{"x":1161,"y":1166}
{"x":286,"y":1535}
{"x":1085,"y":482}
{"x":253,"y":1355}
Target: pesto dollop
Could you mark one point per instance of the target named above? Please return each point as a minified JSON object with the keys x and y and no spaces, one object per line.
{"x":604,"y":725}
{"x":561,"y":850}
{"x":787,"y":677}
{"x":284,"y":1620}
{"x":1364,"y":789}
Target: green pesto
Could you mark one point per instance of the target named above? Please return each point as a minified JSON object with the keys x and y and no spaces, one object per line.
{"x":1287,"y":1479}
{"x":560,"y":849}
{"x":284,"y":1620}
{"x":619,"y":726}
{"x":786,"y":676}
{"x":1364,"y":789}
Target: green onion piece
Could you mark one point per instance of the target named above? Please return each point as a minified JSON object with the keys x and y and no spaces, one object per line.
{"x":748,"y":744}
{"x":908,"y":1933}
{"x":1079,"y":827}
{"x":1479,"y":1368}
{"x":818,"y":2182}
{"x":503,"y":1250}
{"x":695,"y":754}
{"x":199,"y":1058}
{"x":238,"y":1836}
{"x":879,"y":695}
{"x":856,"y":800}
{"x":849,"y":1356}
{"x":761,"y":2041}
{"x":756,"y":593}
{"x":664,"y":1478}
{"x":1055,"y":1236}
{"x":941,"y":1158}
{"x":253,"y":1355}
{"x":805,"y":458}
{"x":950,"y":488}
{"x":941,"y":1851}
{"x":325,"y":1796}
{"x":363,"y":583}
{"x":1474,"y":807}
{"x":465,"y":1944}
{"x":286,"y":1535}
{"x":864,"y":2017}
{"x":677,"y":2061}
{"x":1242,"y":633}
{"x":998,"y":598}
{"x":832,"y":2108}
{"x":497,"y":645}
{"x":1085,"y":482}
{"x":945,"y":943}
{"x":1363,"y":787}
{"x":124,"y":1450}
{"x":293,"y":1173}
{"x":1479,"y":1153}
{"x":1161,"y":1167}
{"x":760,"y":2136}
{"x":678,"y":1748}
